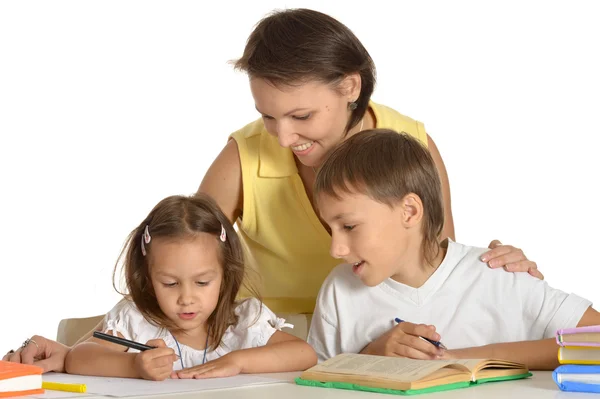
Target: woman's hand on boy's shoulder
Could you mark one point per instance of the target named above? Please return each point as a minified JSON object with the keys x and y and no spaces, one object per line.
{"x":404,"y":340}
{"x":226,"y":366}
{"x":510,"y":258}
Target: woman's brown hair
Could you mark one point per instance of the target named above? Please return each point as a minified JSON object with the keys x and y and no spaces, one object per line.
{"x":298,"y":45}
{"x":182,"y":217}
{"x":386,"y":166}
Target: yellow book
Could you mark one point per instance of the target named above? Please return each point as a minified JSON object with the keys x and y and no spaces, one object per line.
{"x":578,"y":355}
{"x":407,"y":376}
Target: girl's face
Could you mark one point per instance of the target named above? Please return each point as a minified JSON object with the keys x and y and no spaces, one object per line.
{"x":186,"y":275}
{"x":310,"y":118}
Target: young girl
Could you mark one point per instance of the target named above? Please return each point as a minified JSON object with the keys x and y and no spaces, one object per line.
{"x":183,"y":268}
{"x":380,"y":194}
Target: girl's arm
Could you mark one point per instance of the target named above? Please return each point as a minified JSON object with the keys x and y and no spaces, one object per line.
{"x":283,"y":352}
{"x":96,"y":357}
{"x":101,"y":358}
{"x":537,"y":355}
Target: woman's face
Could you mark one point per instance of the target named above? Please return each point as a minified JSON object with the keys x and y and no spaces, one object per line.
{"x":310,"y":118}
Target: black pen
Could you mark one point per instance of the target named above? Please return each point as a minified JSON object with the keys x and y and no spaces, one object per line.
{"x":122,"y":341}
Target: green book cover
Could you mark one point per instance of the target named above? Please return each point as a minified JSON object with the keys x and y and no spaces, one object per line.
{"x":438,"y":388}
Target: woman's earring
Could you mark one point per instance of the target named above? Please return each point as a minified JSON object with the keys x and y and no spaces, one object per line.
{"x":352,"y":106}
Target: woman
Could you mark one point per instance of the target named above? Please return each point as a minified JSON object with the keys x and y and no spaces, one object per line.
{"x":312,"y":81}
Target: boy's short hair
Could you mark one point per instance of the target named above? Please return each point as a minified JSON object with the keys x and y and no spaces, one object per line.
{"x":386,"y":166}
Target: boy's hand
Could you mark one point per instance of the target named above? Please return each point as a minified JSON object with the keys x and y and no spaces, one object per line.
{"x":226,"y":366}
{"x":404,"y":341}
{"x":155,"y":364}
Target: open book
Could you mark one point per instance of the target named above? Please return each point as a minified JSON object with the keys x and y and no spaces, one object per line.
{"x":400,"y":375}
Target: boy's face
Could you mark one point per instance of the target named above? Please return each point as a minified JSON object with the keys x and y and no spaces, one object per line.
{"x":368,"y":234}
{"x":186,"y":276}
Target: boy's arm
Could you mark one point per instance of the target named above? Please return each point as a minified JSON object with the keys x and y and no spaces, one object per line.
{"x":283,"y":352}
{"x":537,"y":355}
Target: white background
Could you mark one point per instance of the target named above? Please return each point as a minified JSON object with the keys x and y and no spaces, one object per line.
{"x":106,"y":107}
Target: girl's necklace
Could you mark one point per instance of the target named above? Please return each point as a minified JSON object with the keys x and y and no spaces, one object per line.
{"x":179,"y":350}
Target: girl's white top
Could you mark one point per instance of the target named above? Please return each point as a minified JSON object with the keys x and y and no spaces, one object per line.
{"x":256,"y":324}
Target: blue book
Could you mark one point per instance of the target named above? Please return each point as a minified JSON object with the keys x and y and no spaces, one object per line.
{"x":577,"y":378}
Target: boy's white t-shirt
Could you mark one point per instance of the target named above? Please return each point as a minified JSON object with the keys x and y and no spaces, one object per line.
{"x":256,"y":324}
{"x":468,"y":303}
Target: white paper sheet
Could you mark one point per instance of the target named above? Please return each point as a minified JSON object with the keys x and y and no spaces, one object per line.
{"x":122,"y":387}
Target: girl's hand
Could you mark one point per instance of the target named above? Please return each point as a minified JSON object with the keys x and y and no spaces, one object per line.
{"x":155,"y":364}
{"x":511,"y":258}
{"x":39,"y":351}
{"x":404,"y":341}
{"x":226,"y":366}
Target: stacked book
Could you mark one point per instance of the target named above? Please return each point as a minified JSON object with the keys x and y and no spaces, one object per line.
{"x":579,"y":355}
{"x":18,"y":379}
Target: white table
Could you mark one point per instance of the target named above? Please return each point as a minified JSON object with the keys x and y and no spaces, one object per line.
{"x":537,"y":387}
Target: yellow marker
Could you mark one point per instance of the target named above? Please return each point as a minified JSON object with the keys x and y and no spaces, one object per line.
{"x":57,"y":386}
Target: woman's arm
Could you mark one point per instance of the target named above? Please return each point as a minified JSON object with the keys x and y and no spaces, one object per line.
{"x":448,"y":230}
{"x":46,"y":353}
{"x":223,"y":181}
{"x":283,"y":352}
{"x":537,"y":355}
{"x":42,"y":352}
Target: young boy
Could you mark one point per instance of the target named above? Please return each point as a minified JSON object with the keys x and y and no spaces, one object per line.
{"x":381,"y":195}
